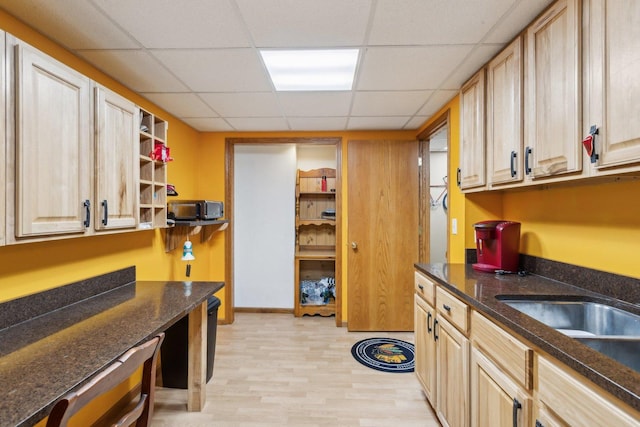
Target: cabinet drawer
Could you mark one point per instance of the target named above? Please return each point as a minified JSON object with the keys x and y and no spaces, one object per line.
{"x":425,"y":287}
{"x":452,"y":309}
{"x":506,"y":351}
{"x":577,"y":401}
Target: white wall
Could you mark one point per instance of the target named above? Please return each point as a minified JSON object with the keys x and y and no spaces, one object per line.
{"x":264,"y":225}
{"x":316,"y":157}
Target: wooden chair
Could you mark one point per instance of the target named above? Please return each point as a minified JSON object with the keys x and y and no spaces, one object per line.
{"x":139,"y":412}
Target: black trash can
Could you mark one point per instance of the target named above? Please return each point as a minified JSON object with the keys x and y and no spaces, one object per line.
{"x":174,"y":350}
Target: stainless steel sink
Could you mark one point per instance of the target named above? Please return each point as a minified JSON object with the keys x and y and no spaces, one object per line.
{"x":580,"y":318}
{"x":625,"y":351}
{"x":609,"y":330}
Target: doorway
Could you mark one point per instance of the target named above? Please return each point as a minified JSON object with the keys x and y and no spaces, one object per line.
{"x":261,"y":235}
{"x":434,"y":190}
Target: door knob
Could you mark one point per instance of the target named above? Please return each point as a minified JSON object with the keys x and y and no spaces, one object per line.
{"x":354,"y":245}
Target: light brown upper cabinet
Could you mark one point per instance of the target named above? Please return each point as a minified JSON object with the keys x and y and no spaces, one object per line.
{"x":3,"y":153}
{"x":612,"y":87}
{"x":116,"y":161}
{"x":52,"y":145}
{"x":472,"y":170}
{"x":552,"y":111}
{"x":504,"y":116}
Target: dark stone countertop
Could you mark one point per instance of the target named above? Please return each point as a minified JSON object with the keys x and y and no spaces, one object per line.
{"x":480,"y":289}
{"x":44,"y":357}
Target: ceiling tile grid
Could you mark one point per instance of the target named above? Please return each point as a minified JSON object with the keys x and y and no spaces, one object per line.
{"x":199,"y":59}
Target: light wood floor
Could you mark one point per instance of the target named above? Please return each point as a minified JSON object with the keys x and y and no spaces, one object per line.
{"x":277,"y":370}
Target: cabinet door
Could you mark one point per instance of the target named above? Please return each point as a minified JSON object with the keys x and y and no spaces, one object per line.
{"x":425,"y":348}
{"x":116,"y":161}
{"x":504,"y":115}
{"x":496,"y":400}
{"x":452,"y":406}
{"x":472,"y":171}
{"x":53,"y":143}
{"x":577,"y":402}
{"x":3,"y":152}
{"x":613,"y":87}
{"x":553,"y":84}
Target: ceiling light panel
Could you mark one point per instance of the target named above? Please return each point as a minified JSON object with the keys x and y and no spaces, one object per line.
{"x":311,"y":70}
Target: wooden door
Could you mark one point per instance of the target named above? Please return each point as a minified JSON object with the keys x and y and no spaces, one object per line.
{"x":472,"y":171}
{"x":612,"y":79}
{"x":116,"y":161}
{"x":383,"y":234}
{"x":504,"y":115}
{"x":452,"y":390}
{"x":425,"y":348}
{"x":53,"y":145}
{"x":553,"y":84}
{"x":495,"y":396}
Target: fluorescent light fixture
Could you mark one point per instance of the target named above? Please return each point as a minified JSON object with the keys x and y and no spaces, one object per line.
{"x":311,"y":70}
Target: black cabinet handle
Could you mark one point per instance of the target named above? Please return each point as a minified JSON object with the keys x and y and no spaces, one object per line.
{"x":435,"y":332}
{"x":421,"y":287}
{"x":513,"y":163}
{"x":446,"y":307}
{"x":539,"y":424}
{"x":458,"y":176}
{"x":429,"y":322}
{"x":527,"y":153}
{"x":516,"y":406}
{"x":105,"y":212}
{"x":87,"y":213}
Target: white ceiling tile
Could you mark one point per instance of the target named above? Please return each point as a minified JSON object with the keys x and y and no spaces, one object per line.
{"x":259,"y":124}
{"x":416,"y":122}
{"x":135,"y":69}
{"x":179,"y":23}
{"x":388,"y":103}
{"x":315,"y":104}
{"x":208,"y":124}
{"x":432,"y":22}
{"x":376,"y":123}
{"x":260,"y":104}
{"x":306,"y":23}
{"x":408,"y":68}
{"x":217,"y":70}
{"x":436,"y":101}
{"x":517,"y":19}
{"x":479,"y":57}
{"x":181,"y":104}
{"x":75,"y":24}
{"x":318,"y":123}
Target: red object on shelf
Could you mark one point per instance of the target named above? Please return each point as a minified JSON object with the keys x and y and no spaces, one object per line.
{"x":324,"y":183}
{"x":161,"y":152}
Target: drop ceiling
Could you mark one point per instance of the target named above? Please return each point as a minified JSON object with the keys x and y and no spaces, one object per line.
{"x":199,"y":59}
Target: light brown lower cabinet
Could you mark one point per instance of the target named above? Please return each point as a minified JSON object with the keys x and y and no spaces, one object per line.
{"x":452,"y":375}
{"x":566,"y":399}
{"x":494,"y":378}
{"x":496,"y":399}
{"x":425,"y":366}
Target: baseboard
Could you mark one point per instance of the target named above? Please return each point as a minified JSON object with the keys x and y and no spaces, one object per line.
{"x":263,"y":310}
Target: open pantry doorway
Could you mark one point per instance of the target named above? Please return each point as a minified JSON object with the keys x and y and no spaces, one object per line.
{"x":257,"y":241}
{"x":434,"y":191}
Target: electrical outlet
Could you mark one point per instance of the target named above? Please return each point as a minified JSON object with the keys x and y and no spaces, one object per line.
{"x":454,"y":225}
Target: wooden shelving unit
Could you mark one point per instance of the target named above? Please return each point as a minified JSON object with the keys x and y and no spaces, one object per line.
{"x":315,"y":257}
{"x":153,"y":173}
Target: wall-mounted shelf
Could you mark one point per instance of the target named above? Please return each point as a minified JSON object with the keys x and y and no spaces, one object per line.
{"x":176,"y":235}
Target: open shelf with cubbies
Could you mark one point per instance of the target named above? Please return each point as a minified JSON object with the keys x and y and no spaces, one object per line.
{"x":153,"y":173}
